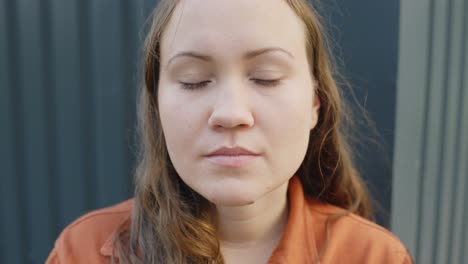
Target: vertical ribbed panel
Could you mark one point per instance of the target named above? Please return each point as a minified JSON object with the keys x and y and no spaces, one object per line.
{"x":430,"y":205}
{"x":12,"y":203}
{"x":412,"y":74}
{"x":5,"y":117}
{"x":109,"y":102}
{"x":67,"y":114}
{"x":86,"y":98}
{"x":462,"y":197}
{"x":68,"y":79}
{"x":33,"y":85}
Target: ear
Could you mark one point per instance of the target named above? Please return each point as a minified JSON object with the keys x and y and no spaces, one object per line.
{"x":315,"y":109}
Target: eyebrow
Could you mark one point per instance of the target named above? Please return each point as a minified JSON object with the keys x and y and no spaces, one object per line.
{"x":248,"y":55}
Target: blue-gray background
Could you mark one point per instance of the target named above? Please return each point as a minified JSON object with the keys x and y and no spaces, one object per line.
{"x":68,"y":76}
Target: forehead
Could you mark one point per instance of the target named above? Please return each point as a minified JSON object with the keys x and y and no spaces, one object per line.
{"x":233,"y":26}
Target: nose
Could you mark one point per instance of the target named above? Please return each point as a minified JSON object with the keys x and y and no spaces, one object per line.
{"x":231,"y":108}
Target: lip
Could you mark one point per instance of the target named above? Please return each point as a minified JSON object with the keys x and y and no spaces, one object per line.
{"x":234,"y":151}
{"x":232,"y":157}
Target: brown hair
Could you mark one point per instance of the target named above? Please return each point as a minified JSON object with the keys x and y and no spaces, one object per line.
{"x":170,"y":222}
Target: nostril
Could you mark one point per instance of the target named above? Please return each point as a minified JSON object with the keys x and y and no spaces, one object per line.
{"x":231,"y":119}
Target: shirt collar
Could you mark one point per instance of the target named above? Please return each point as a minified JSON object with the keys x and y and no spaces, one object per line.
{"x":107,"y":247}
{"x":297,"y":245}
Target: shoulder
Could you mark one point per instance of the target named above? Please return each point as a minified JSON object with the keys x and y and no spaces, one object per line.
{"x":100,"y":221}
{"x":91,"y":235}
{"x":352,"y":236}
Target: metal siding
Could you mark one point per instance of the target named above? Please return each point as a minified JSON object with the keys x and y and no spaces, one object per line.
{"x":410,"y":118}
{"x":87,"y":103}
{"x":6,"y":160}
{"x":463,"y":171}
{"x":133,"y":26}
{"x":429,"y":195}
{"x":69,"y":150}
{"x":32,"y":92}
{"x":12,"y":239}
{"x":433,"y":130}
{"x":109,"y":101}
{"x":451,"y":138}
{"x":461,"y":168}
{"x":67,"y":106}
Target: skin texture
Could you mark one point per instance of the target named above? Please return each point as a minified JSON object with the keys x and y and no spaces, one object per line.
{"x":251,"y":87}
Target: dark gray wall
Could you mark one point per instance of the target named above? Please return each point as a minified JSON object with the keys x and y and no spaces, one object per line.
{"x":68,"y":76}
{"x":365,"y":42}
{"x":67,"y":92}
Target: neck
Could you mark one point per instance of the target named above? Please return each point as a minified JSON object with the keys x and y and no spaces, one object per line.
{"x":257,"y":225}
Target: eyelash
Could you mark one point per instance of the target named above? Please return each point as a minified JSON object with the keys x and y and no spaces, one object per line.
{"x":193,"y":86}
{"x":267,"y":83}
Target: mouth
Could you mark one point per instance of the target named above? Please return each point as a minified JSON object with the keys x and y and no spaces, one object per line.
{"x":232,"y":157}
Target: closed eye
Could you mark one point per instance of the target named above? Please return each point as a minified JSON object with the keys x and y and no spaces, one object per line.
{"x":193,"y":86}
{"x":198,"y":85}
{"x":268,"y":83}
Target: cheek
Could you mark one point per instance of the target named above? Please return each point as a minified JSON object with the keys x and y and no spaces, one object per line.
{"x":292,"y":129}
{"x":179,"y":120}
{"x":288,"y":128}
{"x":290,"y":114}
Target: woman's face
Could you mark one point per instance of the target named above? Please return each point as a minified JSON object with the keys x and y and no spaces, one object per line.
{"x":234,"y":74}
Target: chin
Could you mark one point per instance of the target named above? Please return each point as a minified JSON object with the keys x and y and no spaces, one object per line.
{"x":231,"y":200}
{"x":234,"y":194}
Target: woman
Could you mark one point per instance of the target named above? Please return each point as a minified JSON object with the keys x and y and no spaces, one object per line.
{"x":244,"y":158}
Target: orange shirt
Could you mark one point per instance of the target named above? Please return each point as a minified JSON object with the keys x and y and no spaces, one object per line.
{"x":352,"y":239}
